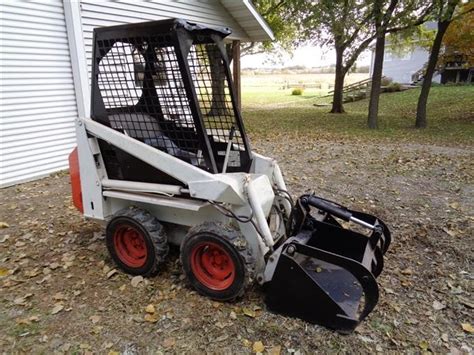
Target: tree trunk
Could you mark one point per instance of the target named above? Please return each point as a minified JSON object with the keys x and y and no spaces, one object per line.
{"x":236,"y":72}
{"x":372,"y":119}
{"x":428,"y":78}
{"x":337,"y":104}
{"x":218,"y":103}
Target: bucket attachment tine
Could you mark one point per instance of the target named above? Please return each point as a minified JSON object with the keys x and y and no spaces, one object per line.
{"x":325,"y":264}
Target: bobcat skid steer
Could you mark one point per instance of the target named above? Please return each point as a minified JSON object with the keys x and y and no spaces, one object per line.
{"x":164,"y":159}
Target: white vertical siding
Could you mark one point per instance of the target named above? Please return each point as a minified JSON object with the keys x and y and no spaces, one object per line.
{"x":109,"y":13}
{"x":37,"y":101}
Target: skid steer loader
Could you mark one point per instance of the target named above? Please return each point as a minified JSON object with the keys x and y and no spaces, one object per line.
{"x":164,"y":159}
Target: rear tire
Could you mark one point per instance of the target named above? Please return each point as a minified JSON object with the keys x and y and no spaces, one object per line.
{"x":217,"y":261}
{"x":136,"y":241}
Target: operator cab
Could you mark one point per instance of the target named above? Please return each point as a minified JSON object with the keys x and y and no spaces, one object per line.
{"x":168,"y":84}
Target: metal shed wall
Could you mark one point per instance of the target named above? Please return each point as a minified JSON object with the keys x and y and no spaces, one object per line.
{"x":37,"y":100}
{"x":110,"y":13}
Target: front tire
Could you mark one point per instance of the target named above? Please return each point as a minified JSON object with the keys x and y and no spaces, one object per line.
{"x":217,"y":261}
{"x":136,"y":241}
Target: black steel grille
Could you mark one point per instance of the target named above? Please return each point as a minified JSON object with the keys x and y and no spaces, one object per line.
{"x":146,"y":100}
{"x":171,"y":91}
{"x":212,"y":88}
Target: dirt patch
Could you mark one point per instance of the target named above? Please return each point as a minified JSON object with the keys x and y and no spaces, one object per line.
{"x":59,"y":291}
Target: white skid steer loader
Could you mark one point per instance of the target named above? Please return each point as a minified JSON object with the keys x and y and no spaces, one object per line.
{"x":164,"y":159}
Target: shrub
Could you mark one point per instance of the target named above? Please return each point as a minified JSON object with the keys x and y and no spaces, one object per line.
{"x":297,"y":91}
{"x":393,"y":87}
{"x":386,"y":81}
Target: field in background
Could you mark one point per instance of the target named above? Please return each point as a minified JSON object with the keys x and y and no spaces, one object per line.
{"x":265,"y":87}
{"x":269,"y":110}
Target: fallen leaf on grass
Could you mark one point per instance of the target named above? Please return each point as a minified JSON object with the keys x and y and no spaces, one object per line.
{"x":58,"y":296}
{"x":438,"y":306}
{"x":246,"y":343}
{"x":233,"y":315}
{"x":150,"y":309}
{"x":258,"y":347}
{"x":56,"y":309}
{"x":450,"y":232}
{"x":21,"y":301}
{"x":424,"y":345}
{"x":365,"y":339}
{"x":4,"y":272}
{"x":65,"y":347}
{"x":466,"y":302}
{"x":97,"y":329}
{"x":467,"y":327}
{"x":454,"y":205}
{"x":4,"y":225}
{"x":169,"y":342}
{"x":136,"y":280}
{"x":24,"y":321}
{"x":32,"y":273}
{"x":221,"y":338}
{"x":54,"y":266}
{"x":94,"y":319}
{"x":151,"y":318}
{"x":407,"y":271}
{"x":276,"y":350}
{"x":111,"y":273}
{"x":248,"y":312}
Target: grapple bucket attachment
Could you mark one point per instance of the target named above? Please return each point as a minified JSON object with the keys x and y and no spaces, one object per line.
{"x":325,"y":273}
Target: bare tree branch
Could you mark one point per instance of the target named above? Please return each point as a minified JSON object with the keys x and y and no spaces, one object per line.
{"x":419,"y":21}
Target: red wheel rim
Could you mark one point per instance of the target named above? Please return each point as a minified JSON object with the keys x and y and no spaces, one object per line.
{"x":130,"y":246}
{"x":212,"y":265}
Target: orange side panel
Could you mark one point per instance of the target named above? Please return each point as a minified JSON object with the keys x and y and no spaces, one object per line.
{"x":75,"y":176}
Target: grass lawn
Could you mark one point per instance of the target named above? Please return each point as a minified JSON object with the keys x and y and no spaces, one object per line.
{"x":60,"y":292}
{"x":270,"y":110}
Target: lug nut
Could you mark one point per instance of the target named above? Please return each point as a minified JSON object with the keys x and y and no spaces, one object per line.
{"x":291,"y":250}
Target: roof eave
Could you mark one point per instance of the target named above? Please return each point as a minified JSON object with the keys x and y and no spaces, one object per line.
{"x":261,"y":32}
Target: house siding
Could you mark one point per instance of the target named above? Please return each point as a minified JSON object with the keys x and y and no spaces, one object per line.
{"x":37,"y":100}
{"x":400,"y":68}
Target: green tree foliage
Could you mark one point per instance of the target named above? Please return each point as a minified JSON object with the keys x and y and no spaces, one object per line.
{"x":285,"y":28}
{"x":459,"y":37}
{"x":343,"y":24}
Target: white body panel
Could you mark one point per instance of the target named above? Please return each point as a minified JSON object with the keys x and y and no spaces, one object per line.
{"x":247,"y":195}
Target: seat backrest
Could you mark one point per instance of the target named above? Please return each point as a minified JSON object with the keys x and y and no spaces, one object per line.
{"x":136,"y":125}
